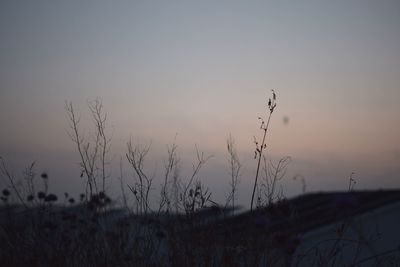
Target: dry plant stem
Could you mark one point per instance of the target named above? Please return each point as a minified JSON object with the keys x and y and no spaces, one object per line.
{"x":92,"y":151}
{"x":4,"y":170}
{"x":92,"y":158}
{"x":176,"y":189}
{"x":79,"y":141}
{"x":100,"y":119}
{"x":29,"y":177}
{"x":352,"y":182}
{"x":201,"y":160}
{"x":259,"y":154}
{"x":273,"y":174}
{"x":171,"y":169}
{"x":303,"y":182}
{"x":121,"y":180}
{"x":136,"y":156}
{"x":234,"y":171}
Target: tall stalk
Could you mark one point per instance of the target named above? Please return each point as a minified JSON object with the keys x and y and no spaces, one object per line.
{"x":259,"y":149}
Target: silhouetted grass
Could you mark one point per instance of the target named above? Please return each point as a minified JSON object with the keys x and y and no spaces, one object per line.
{"x":187,"y":229}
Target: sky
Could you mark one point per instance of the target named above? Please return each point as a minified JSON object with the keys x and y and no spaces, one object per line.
{"x":201,"y":70}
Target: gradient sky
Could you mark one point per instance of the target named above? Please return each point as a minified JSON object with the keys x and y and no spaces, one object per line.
{"x":204,"y":69}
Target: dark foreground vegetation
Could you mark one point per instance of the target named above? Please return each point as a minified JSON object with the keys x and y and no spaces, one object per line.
{"x":92,"y":233}
{"x":185,"y":227}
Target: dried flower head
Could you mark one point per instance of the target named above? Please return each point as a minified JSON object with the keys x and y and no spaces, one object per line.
{"x":41,"y":195}
{"x":6,"y":193}
{"x":50,"y":198}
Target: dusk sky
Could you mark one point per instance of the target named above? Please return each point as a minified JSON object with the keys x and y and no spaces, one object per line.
{"x":201,"y":70}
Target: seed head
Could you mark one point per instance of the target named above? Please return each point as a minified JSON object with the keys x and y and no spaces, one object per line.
{"x":6,"y":193}
{"x":41,"y":195}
